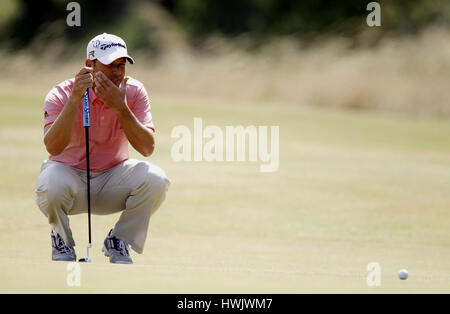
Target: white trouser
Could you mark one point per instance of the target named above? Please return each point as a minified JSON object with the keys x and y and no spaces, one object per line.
{"x":137,"y":188}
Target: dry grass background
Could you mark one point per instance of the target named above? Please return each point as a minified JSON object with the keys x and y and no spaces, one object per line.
{"x":354,"y":187}
{"x":409,"y":74}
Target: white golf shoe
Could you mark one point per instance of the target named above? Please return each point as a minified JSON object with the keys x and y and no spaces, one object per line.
{"x":116,"y":250}
{"x":60,"y":251}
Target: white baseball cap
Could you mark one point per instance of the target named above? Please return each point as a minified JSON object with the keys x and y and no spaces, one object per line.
{"x":107,"y":48}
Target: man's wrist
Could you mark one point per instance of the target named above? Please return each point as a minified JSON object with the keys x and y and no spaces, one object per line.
{"x":74,"y":98}
{"x":122,"y":110}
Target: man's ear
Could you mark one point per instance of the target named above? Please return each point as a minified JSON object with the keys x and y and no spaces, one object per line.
{"x":89,"y":63}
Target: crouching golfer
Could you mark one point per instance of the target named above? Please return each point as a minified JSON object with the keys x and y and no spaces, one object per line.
{"x":119,"y":114}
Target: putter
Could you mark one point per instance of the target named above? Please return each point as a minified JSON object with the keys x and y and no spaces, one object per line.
{"x":86,"y":123}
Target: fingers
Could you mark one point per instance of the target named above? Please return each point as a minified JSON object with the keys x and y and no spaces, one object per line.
{"x":100,"y":90}
{"x":99,"y":82}
{"x":85,"y":74}
{"x":103,"y":85}
{"x":86,"y":70}
{"x":84,"y":80}
{"x":103,"y":80}
{"x":123,"y":84}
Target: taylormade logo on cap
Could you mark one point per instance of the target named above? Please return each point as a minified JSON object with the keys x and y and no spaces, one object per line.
{"x":106,"y":48}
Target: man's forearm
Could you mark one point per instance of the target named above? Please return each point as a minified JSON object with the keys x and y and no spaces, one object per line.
{"x":59,"y":134}
{"x":139,"y":136}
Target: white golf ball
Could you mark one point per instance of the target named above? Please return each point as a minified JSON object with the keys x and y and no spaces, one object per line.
{"x":403,"y":274}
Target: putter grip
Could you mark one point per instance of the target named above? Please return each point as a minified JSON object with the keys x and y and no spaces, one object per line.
{"x":86,"y":121}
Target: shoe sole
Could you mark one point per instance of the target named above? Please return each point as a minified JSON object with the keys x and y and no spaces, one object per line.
{"x":105,"y":251}
{"x":63,"y":260}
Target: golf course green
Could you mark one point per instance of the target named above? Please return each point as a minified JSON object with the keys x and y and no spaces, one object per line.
{"x":352,"y":188}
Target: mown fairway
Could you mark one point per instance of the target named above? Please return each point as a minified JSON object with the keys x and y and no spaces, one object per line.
{"x":352,"y":188}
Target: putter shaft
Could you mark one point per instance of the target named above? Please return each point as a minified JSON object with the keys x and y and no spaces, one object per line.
{"x":86,"y":123}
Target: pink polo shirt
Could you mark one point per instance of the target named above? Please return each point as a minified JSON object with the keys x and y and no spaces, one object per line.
{"x":108,"y":142}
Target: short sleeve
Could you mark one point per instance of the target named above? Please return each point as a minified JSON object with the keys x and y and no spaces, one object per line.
{"x":53,"y":105}
{"x":141,"y":108}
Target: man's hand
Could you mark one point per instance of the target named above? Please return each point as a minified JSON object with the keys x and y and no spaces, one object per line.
{"x":58,"y":135}
{"x":83,"y":80}
{"x":139,"y":136}
{"x":113,"y":96}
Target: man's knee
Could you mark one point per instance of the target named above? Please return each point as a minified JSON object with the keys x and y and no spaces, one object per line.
{"x":153,"y":177}
{"x":54,"y":187}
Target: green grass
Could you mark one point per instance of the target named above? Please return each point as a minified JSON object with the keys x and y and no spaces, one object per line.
{"x":352,"y":188}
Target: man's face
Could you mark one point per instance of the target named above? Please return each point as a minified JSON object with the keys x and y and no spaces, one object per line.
{"x":115,"y":71}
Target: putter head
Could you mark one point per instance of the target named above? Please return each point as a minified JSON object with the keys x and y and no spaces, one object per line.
{"x":87,"y":259}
